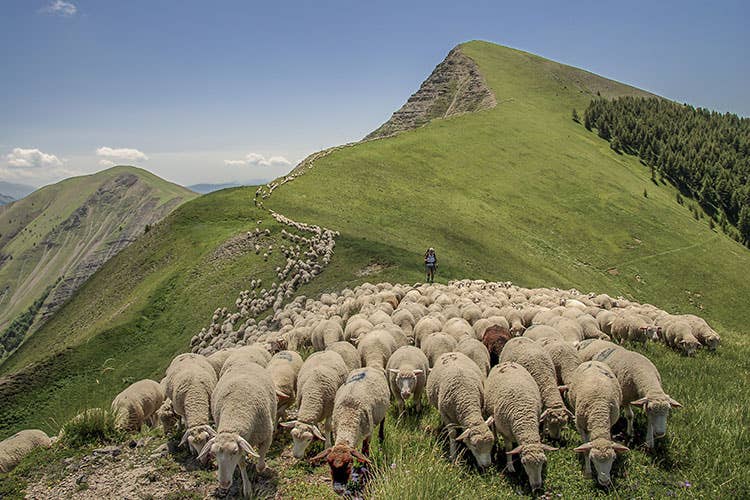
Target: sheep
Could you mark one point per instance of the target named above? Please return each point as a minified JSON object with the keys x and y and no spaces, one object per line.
{"x":678,"y":335}
{"x":407,"y":375}
{"x":454,"y":387}
{"x":590,"y":327}
{"x":595,"y":395}
{"x":605,"y":319}
{"x":570,"y":329}
{"x":136,"y":404}
{"x":356,"y":326}
{"x":458,"y":328}
{"x":476,"y":351}
{"x":375,"y":348}
{"x":319,"y":378}
{"x":424,"y":327}
{"x":361,"y":404}
{"x":284,"y":368}
{"x":591,"y":347}
{"x":632,"y":327}
{"x":348,"y":352}
{"x":326,"y":332}
{"x":248,"y":354}
{"x":189,"y":381}
{"x":167,"y":417}
{"x":494,"y":339}
{"x":564,"y":356}
{"x":539,"y":332}
{"x":437,"y":344}
{"x":702,"y":331}
{"x":532,"y":356}
{"x":16,"y":447}
{"x":640,"y":383}
{"x":244,"y":409}
{"x":512,"y":399}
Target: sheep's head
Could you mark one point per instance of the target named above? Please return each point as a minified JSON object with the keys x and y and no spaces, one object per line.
{"x":712,"y":341}
{"x":302,"y":435}
{"x":657,"y":410}
{"x":689,"y":346}
{"x":602,"y":453}
{"x":479,"y":440}
{"x":554,"y":420}
{"x":229,"y":449}
{"x":167,"y":417}
{"x":196,"y":437}
{"x":533,"y":460}
{"x":654,"y":332}
{"x":406,"y":381}
{"x":340,"y":459}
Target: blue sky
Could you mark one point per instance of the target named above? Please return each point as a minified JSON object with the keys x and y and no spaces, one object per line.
{"x":220,"y":91}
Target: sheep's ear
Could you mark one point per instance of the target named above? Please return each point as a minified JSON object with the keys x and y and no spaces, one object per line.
{"x":515,"y":451}
{"x":320,"y":456}
{"x":418,"y":372}
{"x":317,"y":433}
{"x":673,"y":403}
{"x":393,"y":370}
{"x":584,"y":448}
{"x":463,"y":435}
{"x":640,"y":402}
{"x":245,"y":446}
{"x":206,"y":449}
{"x":360,"y":457}
{"x":184,"y":438}
{"x":547,"y":447}
{"x":543,"y":416}
{"x":620,"y":448}
{"x":490,"y":420}
{"x":288,"y":425}
{"x":280,"y":396}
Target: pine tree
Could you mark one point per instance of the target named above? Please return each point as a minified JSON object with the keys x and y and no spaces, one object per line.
{"x":743,"y":224}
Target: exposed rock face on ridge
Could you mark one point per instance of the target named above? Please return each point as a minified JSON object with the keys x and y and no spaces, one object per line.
{"x":455,"y":86}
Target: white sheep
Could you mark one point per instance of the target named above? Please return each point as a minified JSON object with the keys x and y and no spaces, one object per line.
{"x":407,"y":375}
{"x":702,"y":331}
{"x":375,"y":348}
{"x":361,"y":405}
{"x":436,"y":344}
{"x":319,"y":378}
{"x":167,"y":417}
{"x":564,"y":356}
{"x":476,"y":351}
{"x":284,"y":368}
{"x":678,"y":334}
{"x":424,"y":327}
{"x":596,"y":397}
{"x":640,"y":383}
{"x":244,"y":409}
{"x":454,"y":387}
{"x":589,"y":348}
{"x":16,"y":447}
{"x":189,"y":381}
{"x":348,"y":353}
{"x":326,"y":332}
{"x":136,"y":404}
{"x":512,"y":399}
{"x":532,"y":356}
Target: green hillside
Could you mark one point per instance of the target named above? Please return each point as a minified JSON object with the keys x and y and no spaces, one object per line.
{"x":517,"y":192}
{"x":52,"y":240}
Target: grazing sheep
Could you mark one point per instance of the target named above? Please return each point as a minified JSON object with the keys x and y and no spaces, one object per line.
{"x":319,"y":378}
{"x":326,"y":332}
{"x":361,"y":404}
{"x":136,"y":404}
{"x":476,"y":351}
{"x":678,"y":335}
{"x":595,"y":395}
{"x":570,"y":329}
{"x":375,"y":348}
{"x":284,"y":368}
{"x":218,"y":358}
{"x":532,"y":356}
{"x":407,"y":375}
{"x":167,"y":417}
{"x":539,"y":332}
{"x":244,"y":409}
{"x":605,"y":319}
{"x":702,"y":331}
{"x":458,"y":328}
{"x":632,"y":327}
{"x":640,"y":383}
{"x":437,"y":344}
{"x":512,"y":399}
{"x":424,"y":327}
{"x":591,"y":347}
{"x":189,"y":381}
{"x":16,"y":447}
{"x":564,"y":356}
{"x":356,"y":326}
{"x":348,"y":352}
{"x":590,"y":327}
{"x":454,"y":387}
{"x":494,"y":339}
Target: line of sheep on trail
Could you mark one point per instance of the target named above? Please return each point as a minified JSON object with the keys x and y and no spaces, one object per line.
{"x":492,"y":358}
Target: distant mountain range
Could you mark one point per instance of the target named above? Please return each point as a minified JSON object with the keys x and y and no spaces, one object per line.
{"x":210,"y":188}
{"x":10,"y":191}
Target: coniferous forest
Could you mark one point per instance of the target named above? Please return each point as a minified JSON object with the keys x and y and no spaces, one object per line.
{"x":704,"y":153}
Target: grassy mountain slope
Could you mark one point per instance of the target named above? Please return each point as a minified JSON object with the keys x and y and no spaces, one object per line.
{"x":60,"y":234}
{"x":516,"y":192}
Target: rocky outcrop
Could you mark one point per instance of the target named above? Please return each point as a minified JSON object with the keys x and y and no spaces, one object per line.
{"x":455,"y":86}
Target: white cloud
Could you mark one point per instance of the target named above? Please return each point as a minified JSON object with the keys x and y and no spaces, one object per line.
{"x":60,"y":8}
{"x":106,"y":163}
{"x":260,"y":161}
{"x":31,"y":158}
{"x":127,"y":154}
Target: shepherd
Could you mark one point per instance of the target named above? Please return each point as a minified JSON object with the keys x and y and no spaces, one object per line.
{"x":430,"y":263}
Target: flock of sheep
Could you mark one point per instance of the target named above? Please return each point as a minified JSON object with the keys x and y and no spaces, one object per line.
{"x":493,"y":358}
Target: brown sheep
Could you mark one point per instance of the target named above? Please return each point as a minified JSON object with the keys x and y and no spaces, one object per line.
{"x":494,"y":340}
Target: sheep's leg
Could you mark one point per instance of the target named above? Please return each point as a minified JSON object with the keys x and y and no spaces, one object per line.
{"x":508,"y":445}
{"x":650,"y":436}
{"x":419,"y":403}
{"x":366,"y":447}
{"x":629,"y":417}
{"x":452,"y":442}
{"x":246,"y":490}
{"x":381,"y":432}
{"x":327,"y":429}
